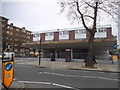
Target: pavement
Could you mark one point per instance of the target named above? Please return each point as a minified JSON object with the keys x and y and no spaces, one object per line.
{"x":75,"y":65}
{"x":61,"y":64}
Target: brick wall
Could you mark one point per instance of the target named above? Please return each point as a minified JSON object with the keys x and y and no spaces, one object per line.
{"x":56,"y":36}
{"x":42,"y":37}
{"x":87,"y":35}
{"x":109,"y":33}
{"x":72,"y":35}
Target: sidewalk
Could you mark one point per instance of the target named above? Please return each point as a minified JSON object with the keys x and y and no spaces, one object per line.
{"x":60,"y":64}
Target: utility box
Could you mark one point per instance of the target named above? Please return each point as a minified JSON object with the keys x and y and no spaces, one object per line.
{"x":68,"y":55}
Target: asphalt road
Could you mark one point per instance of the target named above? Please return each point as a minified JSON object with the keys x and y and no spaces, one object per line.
{"x":38,"y":77}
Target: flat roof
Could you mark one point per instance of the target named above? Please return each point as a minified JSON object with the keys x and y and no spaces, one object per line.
{"x":99,"y":43}
{"x":68,"y":29}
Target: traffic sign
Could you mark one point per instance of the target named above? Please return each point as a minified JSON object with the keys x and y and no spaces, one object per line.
{"x":7,"y":73}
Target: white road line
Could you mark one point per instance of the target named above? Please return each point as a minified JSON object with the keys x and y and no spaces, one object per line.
{"x":72,"y":76}
{"x":46,"y":72}
{"x":15,"y":79}
{"x":64,"y":86}
{"x":40,"y":72}
{"x":100,"y":72}
{"x":35,"y":82}
{"x":115,"y":79}
{"x":105,"y":78}
{"x":114,"y":73}
{"x":90,"y":76}
{"x":58,"y":74}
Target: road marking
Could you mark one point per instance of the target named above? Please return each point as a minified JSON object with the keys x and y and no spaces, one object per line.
{"x":100,"y":72}
{"x":115,"y":79}
{"x":58,"y":74}
{"x":64,"y":86}
{"x":105,"y":78}
{"x":40,"y":72}
{"x":47,"y":83}
{"x":46,"y":72}
{"x":114,"y":73}
{"x":15,"y":79}
{"x":35,"y":82}
{"x":78,"y":76}
{"x":72,"y":76}
{"x":90,"y":76}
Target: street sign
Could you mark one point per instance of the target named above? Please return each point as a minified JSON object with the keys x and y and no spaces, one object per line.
{"x":7,"y":71}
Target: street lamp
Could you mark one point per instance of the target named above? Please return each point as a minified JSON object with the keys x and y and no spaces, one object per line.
{"x":39,"y":51}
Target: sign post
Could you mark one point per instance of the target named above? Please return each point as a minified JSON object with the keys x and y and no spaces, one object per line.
{"x":7,"y":71}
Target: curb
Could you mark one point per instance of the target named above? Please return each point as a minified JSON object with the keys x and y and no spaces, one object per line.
{"x":84,"y":69}
{"x":96,"y":70}
{"x":17,"y":85}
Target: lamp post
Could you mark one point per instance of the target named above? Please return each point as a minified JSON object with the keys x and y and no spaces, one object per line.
{"x":39,"y":51}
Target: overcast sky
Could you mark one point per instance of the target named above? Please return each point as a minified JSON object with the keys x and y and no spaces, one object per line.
{"x":39,"y":15}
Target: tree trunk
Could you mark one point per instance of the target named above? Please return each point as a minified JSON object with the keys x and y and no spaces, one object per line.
{"x":90,"y":57}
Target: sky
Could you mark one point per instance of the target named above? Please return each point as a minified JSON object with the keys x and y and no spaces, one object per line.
{"x":40,"y":15}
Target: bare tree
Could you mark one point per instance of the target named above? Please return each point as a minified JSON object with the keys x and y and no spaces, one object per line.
{"x":88,"y":11}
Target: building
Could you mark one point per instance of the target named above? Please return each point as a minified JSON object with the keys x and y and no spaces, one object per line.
{"x":119,"y":26}
{"x":75,"y":40}
{"x":0,"y":36}
{"x":13,"y":37}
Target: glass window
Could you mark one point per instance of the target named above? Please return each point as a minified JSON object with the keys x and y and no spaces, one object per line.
{"x":102,"y":30}
{"x":8,"y":32}
{"x":82,"y":31}
{"x":15,"y":50}
{"x":60,"y":33}
{"x":17,"y":29}
{"x":8,"y":26}
{"x":3,"y":25}
{"x":63,"y":33}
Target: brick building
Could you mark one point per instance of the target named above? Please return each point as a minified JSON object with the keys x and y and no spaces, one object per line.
{"x":13,"y":37}
{"x":75,"y":39}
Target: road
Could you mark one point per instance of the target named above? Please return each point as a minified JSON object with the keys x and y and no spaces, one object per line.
{"x":39,"y":77}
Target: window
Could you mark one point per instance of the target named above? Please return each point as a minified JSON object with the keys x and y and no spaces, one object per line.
{"x":82,"y":31}
{"x":8,"y":32}
{"x":3,"y":25}
{"x":17,"y":29}
{"x":60,"y":33}
{"x":63,"y":33}
{"x":22,"y":50}
{"x":49,"y":34}
{"x":15,"y":50}
{"x":7,"y":38}
{"x":16,"y":44}
{"x":46,"y":34}
{"x":27,"y":50}
{"x":9,"y":27}
{"x":101,"y":30}
{"x":24,"y":30}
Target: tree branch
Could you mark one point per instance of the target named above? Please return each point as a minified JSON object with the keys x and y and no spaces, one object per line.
{"x":89,"y":5}
{"x":88,"y":16}
{"x":95,"y":17}
{"x":83,"y":21}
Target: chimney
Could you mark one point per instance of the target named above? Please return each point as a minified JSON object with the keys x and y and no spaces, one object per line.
{"x":23,"y":27}
{"x":11,"y":24}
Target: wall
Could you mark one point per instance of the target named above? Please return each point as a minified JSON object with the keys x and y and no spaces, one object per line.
{"x":119,"y":27}
{"x":49,"y":36}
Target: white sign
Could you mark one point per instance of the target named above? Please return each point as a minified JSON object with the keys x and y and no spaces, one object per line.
{"x":36,"y":37}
